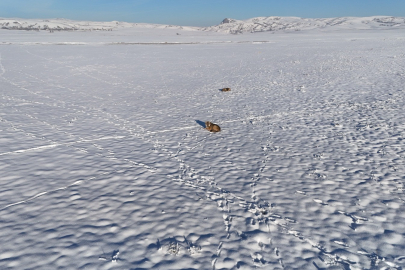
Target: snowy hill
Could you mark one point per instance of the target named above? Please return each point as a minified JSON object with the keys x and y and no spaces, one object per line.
{"x":262,"y":24}
{"x":70,"y":25}
{"x":258,"y":24}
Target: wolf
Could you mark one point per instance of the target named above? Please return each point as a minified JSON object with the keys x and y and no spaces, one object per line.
{"x":212,"y":127}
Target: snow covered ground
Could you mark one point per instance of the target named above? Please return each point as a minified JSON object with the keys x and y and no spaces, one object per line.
{"x":105,"y":163}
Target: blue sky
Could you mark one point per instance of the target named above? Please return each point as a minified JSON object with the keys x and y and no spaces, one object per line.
{"x":195,"y":12}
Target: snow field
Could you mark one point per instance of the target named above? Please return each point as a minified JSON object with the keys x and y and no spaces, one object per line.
{"x":105,"y":164}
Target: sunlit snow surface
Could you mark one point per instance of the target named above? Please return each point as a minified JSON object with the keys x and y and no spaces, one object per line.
{"x":105,"y":163}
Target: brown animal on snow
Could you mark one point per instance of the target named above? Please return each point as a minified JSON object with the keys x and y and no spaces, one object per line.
{"x":225,"y":89}
{"x":212,"y":127}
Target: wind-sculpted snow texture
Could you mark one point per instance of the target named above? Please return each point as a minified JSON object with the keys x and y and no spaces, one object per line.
{"x":105,"y":162}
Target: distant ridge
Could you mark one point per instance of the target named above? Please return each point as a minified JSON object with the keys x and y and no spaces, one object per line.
{"x":228,"y":25}
{"x":70,"y":25}
{"x":263,"y":24}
